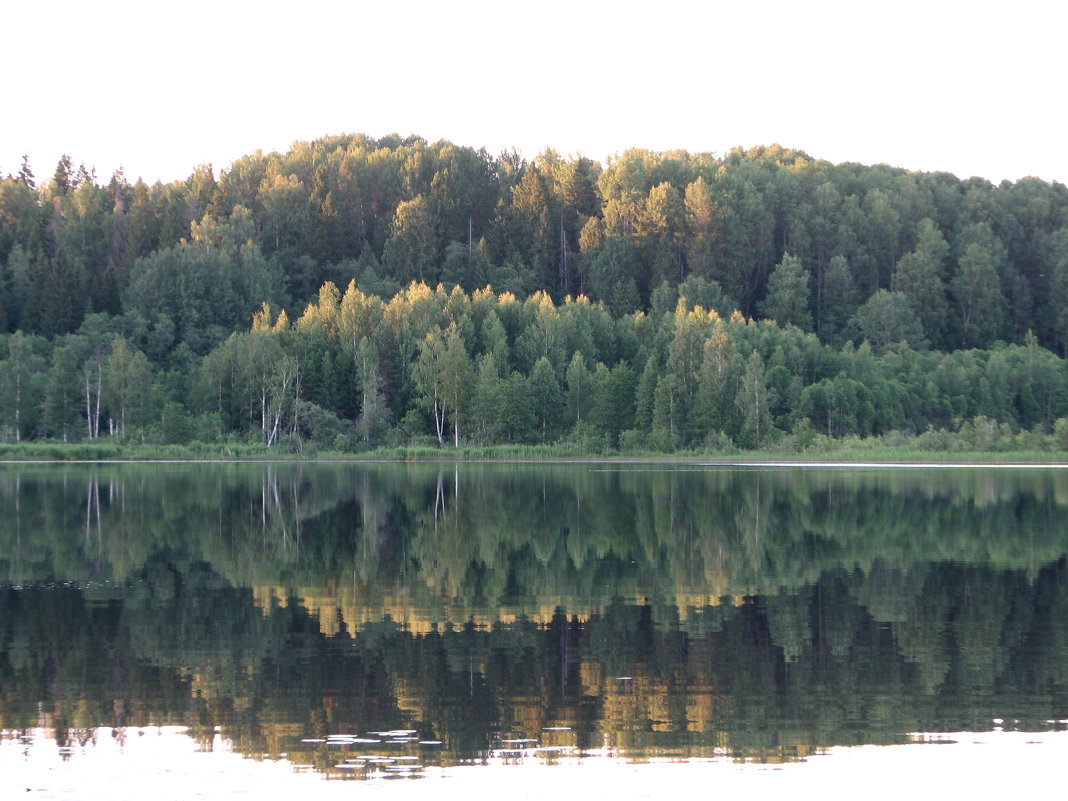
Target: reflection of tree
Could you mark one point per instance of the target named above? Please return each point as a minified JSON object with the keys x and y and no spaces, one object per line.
{"x":755,"y":613}
{"x":772,"y":677}
{"x":528,"y":536}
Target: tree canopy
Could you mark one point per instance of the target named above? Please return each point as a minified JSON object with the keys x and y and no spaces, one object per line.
{"x":503,"y":300}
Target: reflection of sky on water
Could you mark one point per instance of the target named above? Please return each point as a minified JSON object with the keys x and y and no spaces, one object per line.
{"x":155,"y":763}
{"x":164,"y":763}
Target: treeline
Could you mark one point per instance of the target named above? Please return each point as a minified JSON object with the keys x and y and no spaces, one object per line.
{"x":356,"y":371}
{"x":120,"y":299}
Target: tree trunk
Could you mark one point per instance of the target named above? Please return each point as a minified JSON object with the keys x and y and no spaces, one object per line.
{"x":439,"y":422}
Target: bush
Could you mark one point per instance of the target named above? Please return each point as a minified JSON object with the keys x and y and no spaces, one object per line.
{"x":803,"y":436}
{"x":718,"y":442}
{"x":633,"y":440}
{"x":321,"y":427}
{"x":343,"y":443}
{"x":176,"y":426}
{"x":1060,"y":433}
{"x":207,"y":427}
{"x":660,"y":441}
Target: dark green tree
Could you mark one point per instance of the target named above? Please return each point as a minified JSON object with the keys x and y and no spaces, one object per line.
{"x":977,"y":296}
{"x":840,"y":299}
{"x":787,"y":301}
{"x":889,"y":317}
{"x":62,"y":396}
{"x":545,"y":397}
{"x":611,"y":275}
{"x":373,"y":422}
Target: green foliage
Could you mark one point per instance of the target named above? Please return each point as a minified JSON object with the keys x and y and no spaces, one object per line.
{"x":787,"y":301}
{"x":392,"y":210}
{"x":1057,"y":258}
{"x":611,"y":273}
{"x":373,"y":422}
{"x":545,"y":396}
{"x":839,"y":299}
{"x":208,"y":287}
{"x":62,"y":396}
{"x":754,"y":404}
{"x":903,"y":260}
{"x":977,"y":291}
{"x":887,"y":318}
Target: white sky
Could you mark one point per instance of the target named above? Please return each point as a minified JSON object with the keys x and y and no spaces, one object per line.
{"x":973,"y":88}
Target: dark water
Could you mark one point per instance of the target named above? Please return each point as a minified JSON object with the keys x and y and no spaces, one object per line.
{"x":347,"y":622}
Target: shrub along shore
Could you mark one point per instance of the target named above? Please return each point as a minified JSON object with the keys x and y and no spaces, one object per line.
{"x":939,"y":447}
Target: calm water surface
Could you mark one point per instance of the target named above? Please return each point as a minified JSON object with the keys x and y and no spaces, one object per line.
{"x":218,"y":631}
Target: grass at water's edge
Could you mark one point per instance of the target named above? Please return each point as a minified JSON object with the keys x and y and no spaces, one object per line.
{"x":92,"y":452}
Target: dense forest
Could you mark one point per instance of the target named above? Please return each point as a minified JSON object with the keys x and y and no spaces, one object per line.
{"x":355,"y":292}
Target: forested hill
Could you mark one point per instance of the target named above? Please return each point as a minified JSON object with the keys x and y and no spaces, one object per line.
{"x":918,"y":263}
{"x":975,"y":262}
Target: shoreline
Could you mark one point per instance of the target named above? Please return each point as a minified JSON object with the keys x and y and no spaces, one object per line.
{"x":877,"y":457}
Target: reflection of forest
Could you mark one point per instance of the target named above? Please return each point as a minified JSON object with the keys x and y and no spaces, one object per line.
{"x":752,"y":613}
{"x":466,"y":539}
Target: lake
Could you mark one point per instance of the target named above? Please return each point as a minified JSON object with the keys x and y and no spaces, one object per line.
{"x":611,"y":630}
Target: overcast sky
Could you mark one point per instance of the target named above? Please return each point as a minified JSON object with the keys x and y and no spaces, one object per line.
{"x":972,"y":88}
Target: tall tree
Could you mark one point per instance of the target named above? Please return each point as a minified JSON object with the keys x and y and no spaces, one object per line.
{"x":429,"y":379}
{"x":531,"y":232}
{"x":701,"y":222}
{"x":753,"y":403}
{"x":888,"y":317}
{"x":126,"y":387}
{"x":545,"y":398}
{"x":840,"y":299}
{"x":1058,"y":258}
{"x":486,"y":400}
{"x":661,"y":234}
{"x":683,"y":367}
{"x":578,"y":389}
{"x":787,"y":301}
{"x":25,"y":174}
{"x":62,"y":396}
{"x":411,"y":252}
{"x":717,"y":386}
{"x":918,"y":275}
{"x":19,"y":388}
{"x":456,"y":379}
{"x":374,"y":413}
{"x":977,"y":293}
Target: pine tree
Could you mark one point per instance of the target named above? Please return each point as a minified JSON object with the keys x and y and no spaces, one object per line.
{"x":545,"y":398}
{"x":787,"y":301}
{"x":977,"y":292}
{"x":486,"y":402}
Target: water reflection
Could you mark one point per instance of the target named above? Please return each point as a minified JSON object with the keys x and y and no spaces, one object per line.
{"x":483,"y":615}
